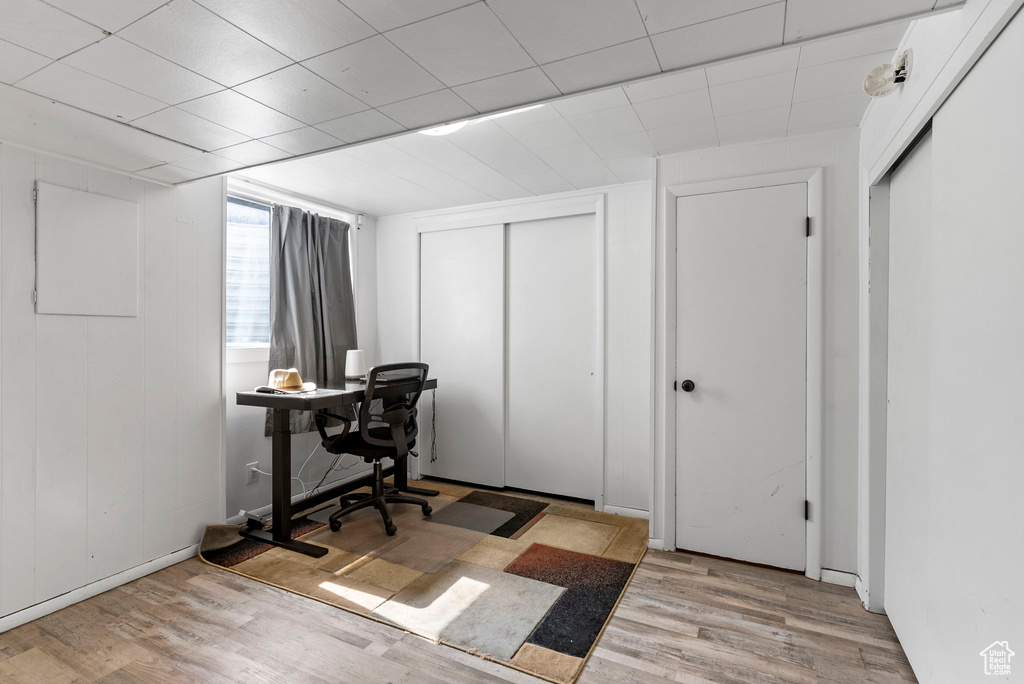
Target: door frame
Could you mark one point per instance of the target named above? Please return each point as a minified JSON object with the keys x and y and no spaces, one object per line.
{"x":591,"y":203}
{"x":663,"y":494}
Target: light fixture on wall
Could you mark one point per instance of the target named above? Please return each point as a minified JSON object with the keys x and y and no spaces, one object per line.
{"x":884,"y":78}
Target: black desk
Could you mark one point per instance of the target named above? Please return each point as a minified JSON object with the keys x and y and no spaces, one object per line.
{"x":284,"y":509}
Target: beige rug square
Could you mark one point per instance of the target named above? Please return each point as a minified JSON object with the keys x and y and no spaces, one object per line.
{"x":473,"y":607}
{"x":573,"y":534}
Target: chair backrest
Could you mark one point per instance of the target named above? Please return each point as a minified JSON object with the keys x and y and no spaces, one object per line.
{"x":396,"y":412}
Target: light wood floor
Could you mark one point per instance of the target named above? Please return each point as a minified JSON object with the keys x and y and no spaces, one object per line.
{"x":684,"y":619}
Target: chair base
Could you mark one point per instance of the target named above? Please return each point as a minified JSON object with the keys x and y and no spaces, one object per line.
{"x":379,"y":498}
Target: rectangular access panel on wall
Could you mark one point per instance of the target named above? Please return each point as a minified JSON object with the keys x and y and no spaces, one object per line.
{"x":462,"y":331}
{"x":87,"y":253}
{"x":554,"y":439}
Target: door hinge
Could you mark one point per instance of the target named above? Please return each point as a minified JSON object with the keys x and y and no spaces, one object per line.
{"x":35,"y":296}
{"x":674,"y":383}
{"x":807,"y":509}
{"x":35,"y":196}
{"x":808,"y":226}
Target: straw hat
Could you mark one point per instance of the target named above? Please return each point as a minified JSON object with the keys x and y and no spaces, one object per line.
{"x":287,"y":381}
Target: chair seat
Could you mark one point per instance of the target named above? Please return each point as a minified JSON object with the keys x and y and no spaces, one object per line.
{"x":353,"y":443}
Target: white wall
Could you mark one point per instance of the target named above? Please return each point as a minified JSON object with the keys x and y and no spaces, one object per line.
{"x":247,"y":368}
{"x":111,"y":429}
{"x":945,"y":46}
{"x":956,"y":418}
{"x":836,"y":152}
{"x":628,"y":316}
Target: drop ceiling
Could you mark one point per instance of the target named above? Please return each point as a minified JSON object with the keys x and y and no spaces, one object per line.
{"x":604,"y":137}
{"x":179,"y":90}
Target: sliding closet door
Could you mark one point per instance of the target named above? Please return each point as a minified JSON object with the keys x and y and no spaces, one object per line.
{"x":462,"y":338}
{"x":553,"y":404}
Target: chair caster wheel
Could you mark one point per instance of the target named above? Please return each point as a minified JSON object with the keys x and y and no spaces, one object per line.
{"x":391,"y":529}
{"x":427,"y":510}
{"x":335,"y":525}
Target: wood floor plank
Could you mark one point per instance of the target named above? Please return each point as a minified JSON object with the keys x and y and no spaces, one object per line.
{"x":685,"y":619}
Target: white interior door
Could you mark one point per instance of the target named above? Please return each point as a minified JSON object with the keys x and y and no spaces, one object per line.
{"x":741,"y":338}
{"x":554,"y":421}
{"x":462,"y":336}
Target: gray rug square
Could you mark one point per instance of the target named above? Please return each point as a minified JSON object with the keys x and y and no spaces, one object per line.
{"x":472,"y":517}
{"x":472,"y":607}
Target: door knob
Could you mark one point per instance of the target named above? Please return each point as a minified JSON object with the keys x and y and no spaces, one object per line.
{"x":688,"y":386}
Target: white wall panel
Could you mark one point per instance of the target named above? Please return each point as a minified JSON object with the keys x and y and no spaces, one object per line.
{"x":94,"y":480}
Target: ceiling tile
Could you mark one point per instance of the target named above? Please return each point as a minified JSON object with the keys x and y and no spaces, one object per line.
{"x":301,"y":94}
{"x":486,"y":140}
{"x":665,"y":15}
{"x":169,"y":174}
{"x":462,"y":46}
{"x":555,"y":30}
{"x":126,"y":64}
{"x":836,"y":78}
{"x":442,"y":155}
{"x":632,"y":168}
{"x":509,"y":90}
{"x":452,"y":188}
{"x":16,"y":62}
{"x":529,"y":171}
{"x":485,"y":179}
{"x":240,"y":113}
{"x":36,"y":26}
{"x":553,"y":133}
{"x":674,"y":109}
{"x":252,"y":152}
{"x":764,"y":92}
{"x":807,"y":18}
{"x":208,"y":164}
{"x":299,"y":29}
{"x":189,"y":129}
{"x":589,"y":175}
{"x":667,"y":84}
{"x":39,"y":122}
{"x":867,"y":42}
{"x":828,"y":112}
{"x":361,"y":126}
{"x":440,"y":107}
{"x":737,"y":34}
{"x":606,"y":123}
{"x":604,"y":67}
{"x":79,"y":89}
{"x":375,"y":71}
{"x":192,"y":36}
{"x":628,"y":145}
{"x":764,"y":123}
{"x":752,"y":67}
{"x":385,"y":16}
{"x":525,"y":117}
{"x":303,"y":141}
{"x":568,"y":155}
{"x":592,"y":102}
{"x":688,"y":136}
{"x":110,"y":15}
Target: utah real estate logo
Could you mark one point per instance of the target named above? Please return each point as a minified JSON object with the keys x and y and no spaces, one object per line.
{"x":997,"y":658}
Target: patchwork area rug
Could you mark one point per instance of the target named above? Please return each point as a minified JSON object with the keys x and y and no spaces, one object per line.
{"x":522,"y":582}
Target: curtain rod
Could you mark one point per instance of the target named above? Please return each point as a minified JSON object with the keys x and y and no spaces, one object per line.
{"x":264,"y":193}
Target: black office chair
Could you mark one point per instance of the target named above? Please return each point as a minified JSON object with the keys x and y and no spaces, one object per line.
{"x":386,"y":431}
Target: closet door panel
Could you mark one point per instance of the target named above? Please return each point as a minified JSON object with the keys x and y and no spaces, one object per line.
{"x":462,"y":331}
{"x":554,"y":421}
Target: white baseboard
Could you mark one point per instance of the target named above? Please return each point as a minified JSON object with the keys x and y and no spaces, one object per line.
{"x":264,"y":510}
{"x":656,"y":544}
{"x":630,"y":512}
{"x":98,"y":587}
{"x":843,"y":579}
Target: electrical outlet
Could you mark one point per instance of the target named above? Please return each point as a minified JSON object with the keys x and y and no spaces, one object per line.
{"x":251,"y":474}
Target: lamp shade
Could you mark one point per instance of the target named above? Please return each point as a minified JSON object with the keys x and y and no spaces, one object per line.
{"x":355,"y":364}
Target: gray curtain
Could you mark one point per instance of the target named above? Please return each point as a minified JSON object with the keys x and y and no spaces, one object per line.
{"x":312,"y":310}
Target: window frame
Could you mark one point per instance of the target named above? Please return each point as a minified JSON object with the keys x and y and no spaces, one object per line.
{"x":239,"y":351}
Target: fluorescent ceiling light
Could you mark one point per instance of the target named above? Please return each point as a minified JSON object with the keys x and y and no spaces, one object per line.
{"x":459,"y":125}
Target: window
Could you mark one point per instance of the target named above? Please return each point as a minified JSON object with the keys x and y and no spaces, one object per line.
{"x":248,"y":273}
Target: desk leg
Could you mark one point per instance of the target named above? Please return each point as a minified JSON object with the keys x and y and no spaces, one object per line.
{"x":401,"y":480}
{"x":281,"y":526}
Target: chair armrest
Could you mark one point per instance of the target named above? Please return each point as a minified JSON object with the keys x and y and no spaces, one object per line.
{"x":320,"y":419}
